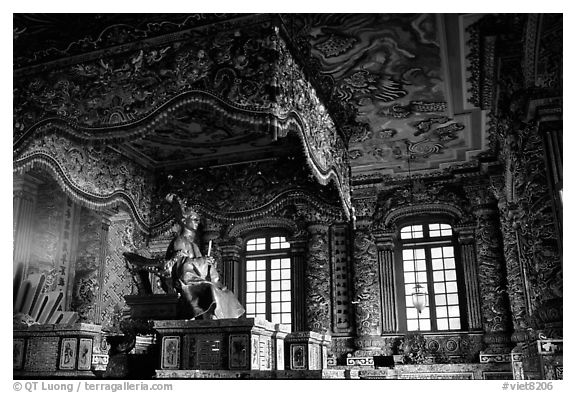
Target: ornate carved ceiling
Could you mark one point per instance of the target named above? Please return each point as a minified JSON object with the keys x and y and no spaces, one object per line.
{"x":383,"y":77}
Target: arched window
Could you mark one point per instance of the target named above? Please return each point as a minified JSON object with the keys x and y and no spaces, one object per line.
{"x":268,"y":279}
{"x":427,"y":262}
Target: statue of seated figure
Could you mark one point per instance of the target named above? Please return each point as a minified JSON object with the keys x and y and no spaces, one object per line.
{"x":185,"y":271}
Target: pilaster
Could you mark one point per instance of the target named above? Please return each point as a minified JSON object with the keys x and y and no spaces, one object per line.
{"x":317,"y":279}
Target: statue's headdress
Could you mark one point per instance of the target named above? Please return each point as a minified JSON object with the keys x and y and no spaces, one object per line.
{"x":180,"y":207}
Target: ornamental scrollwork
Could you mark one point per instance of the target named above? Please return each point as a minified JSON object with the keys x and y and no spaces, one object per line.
{"x":92,"y":175}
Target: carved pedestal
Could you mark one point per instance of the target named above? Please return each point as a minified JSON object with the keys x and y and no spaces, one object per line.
{"x":542,"y":359}
{"x":225,"y":344}
{"x":307,"y":351}
{"x":62,"y":351}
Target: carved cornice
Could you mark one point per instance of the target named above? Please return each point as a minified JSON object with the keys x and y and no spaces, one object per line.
{"x":242,"y":228}
{"x":423,"y":210}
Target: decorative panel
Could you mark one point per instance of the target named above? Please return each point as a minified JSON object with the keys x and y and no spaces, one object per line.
{"x":341,"y":291}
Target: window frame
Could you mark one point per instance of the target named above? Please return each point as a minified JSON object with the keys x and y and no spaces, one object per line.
{"x":427,"y":244}
{"x":268,"y":254}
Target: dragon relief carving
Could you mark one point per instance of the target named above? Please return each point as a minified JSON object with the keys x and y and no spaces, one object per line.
{"x":317,"y":284}
{"x":123,"y":88}
{"x":366,"y":282}
{"x":491,"y":273}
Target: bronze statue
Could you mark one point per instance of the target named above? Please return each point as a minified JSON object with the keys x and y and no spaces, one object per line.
{"x":185,"y":271}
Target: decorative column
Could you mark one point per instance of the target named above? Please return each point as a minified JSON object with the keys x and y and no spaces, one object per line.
{"x":367,"y":295}
{"x":230,"y":252}
{"x":385,"y":246}
{"x":104,"y":228}
{"x":25,"y":191}
{"x":340,"y":280}
{"x":317,"y":279}
{"x":492,"y":276}
{"x":470,"y":268}
{"x":298,"y":251}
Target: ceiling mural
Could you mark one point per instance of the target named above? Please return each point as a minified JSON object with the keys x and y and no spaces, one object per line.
{"x":389,"y":68}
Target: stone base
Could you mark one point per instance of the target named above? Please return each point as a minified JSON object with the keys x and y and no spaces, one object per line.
{"x":248,"y":374}
{"x":431,"y":371}
{"x":153,"y":307}
{"x":224,"y":344}
{"x":56,"y":350}
{"x":307,"y":351}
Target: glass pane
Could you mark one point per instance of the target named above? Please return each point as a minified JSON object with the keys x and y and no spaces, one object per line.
{"x":417,"y":235}
{"x":417,"y":228}
{"x":260,"y":286}
{"x":439,"y":288}
{"x":449,"y":263}
{"x":250,"y":247}
{"x":446,"y":232}
{"x":440,"y":300}
{"x":250,"y":308}
{"x":408,"y":266}
{"x":260,"y":275}
{"x":275,"y":307}
{"x":250,"y":276}
{"x":260,"y":247}
{"x":445,"y":226}
{"x":251,"y":242}
{"x":420,"y":265}
{"x":285,"y":307}
{"x":275,"y":285}
{"x":250,"y":286}
{"x":275,"y":275}
{"x":450,"y":275}
{"x":451,"y":287}
{"x":275,"y":239}
{"x":419,"y":253}
{"x":438,"y":275}
{"x":425,"y":324}
{"x":448,"y":251}
{"x":250,"y":297}
{"x":436,"y":252}
{"x":286,"y":296}
{"x":286,"y":319}
{"x":260,"y":308}
{"x":407,"y":255}
{"x":434,"y":226}
{"x":411,"y":312}
{"x":275,"y":296}
{"x":434,"y":233}
{"x":455,"y":323}
{"x":442,"y":324}
{"x":274,"y":246}
{"x":261,"y":264}
{"x":442,"y":312}
{"x":285,"y":285}
{"x":261,"y":297}
{"x":285,"y":263}
{"x":250,"y":264}
{"x":275,"y":264}
{"x":286,"y":274}
{"x":409,"y":278}
{"x":454,"y":311}
{"x":412,"y":324}
{"x":421,"y":276}
{"x":452,"y":298}
{"x":437,"y":264}
{"x":276,"y":318}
